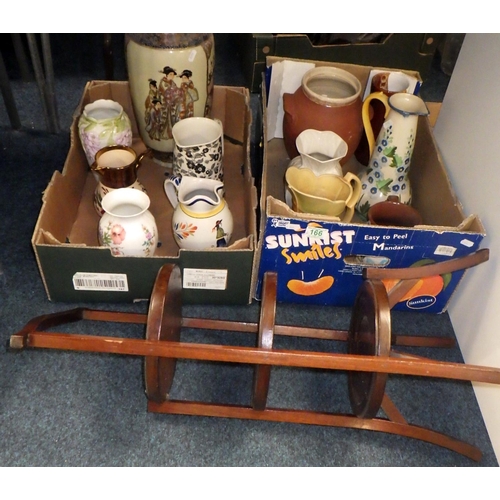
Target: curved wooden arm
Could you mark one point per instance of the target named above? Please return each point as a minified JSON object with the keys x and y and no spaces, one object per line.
{"x":448,"y":266}
{"x":19,"y":340}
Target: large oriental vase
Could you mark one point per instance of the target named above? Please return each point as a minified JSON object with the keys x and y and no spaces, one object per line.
{"x":171,"y":78}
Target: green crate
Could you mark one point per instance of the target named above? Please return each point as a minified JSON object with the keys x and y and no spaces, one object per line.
{"x":411,"y":51}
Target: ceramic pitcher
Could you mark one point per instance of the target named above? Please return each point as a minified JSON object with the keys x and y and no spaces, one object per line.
{"x":320,"y":151}
{"x":201,"y":217}
{"x":388,"y":82}
{"x":115,"y":167}
{"x":390,"y":155}
{"x":198,"y":148}
{"x":326,"y":194}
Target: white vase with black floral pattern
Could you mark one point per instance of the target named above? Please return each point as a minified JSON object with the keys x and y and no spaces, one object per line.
{"x":390,"y":156}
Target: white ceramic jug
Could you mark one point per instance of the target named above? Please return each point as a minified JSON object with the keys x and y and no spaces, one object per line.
{"x":201,"y":218}
{"x":320,"y":151}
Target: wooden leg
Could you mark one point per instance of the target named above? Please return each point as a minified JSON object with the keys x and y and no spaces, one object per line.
{"x":163,"y":324}
{"x":370,"y":335}
{"x":262,"y":373}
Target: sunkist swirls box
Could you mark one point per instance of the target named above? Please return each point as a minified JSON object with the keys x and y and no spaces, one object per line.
{"x":320,"y":259}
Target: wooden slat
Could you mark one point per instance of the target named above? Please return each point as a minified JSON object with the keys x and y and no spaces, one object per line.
{"x":250,"y":355}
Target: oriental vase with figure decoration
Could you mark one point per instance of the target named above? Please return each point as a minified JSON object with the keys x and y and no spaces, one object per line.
{"x":171,"y":78}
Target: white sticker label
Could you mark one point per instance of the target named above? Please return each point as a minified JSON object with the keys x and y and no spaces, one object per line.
{"x":205,"y":279}
{"x":467,"y":243}
{"x":100,"y":282}
{"x":445,"y":250}
{"x":316,"y":232}
{"x":286,"y":224}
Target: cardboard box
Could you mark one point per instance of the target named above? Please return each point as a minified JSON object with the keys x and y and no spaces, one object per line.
{"x":339,"y":251}
{"x":65,"y":236}
{"x":410,"y":51}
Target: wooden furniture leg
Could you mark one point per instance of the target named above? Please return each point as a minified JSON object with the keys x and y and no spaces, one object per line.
{"x":369,"y":335}
{"x":163,"y":324}
{"x":262,"y":373}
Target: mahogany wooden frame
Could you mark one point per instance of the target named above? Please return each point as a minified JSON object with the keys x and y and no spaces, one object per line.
{"x":369,"y":361}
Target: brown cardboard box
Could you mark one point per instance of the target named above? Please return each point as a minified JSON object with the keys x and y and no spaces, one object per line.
{"x":65,"y":236}
{"x":348,"y":247}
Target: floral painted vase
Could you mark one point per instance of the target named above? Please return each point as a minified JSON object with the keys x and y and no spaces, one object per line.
{"x":171,"y":78}
{"x":127,"y":226}
{"x":103,"y":123}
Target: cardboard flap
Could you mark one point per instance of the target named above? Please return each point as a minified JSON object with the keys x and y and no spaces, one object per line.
{"x":46,"y":238}
{"x":58,"y":212}
{"x":231,"y":107}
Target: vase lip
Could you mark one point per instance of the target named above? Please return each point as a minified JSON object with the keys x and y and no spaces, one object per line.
{"x":108,"y":104}
{"x":333,"y":73}
{"x":184,"y":138}
{"x":327,"y":142}
{"x":169,"y":40}
{"x":128,"y":196}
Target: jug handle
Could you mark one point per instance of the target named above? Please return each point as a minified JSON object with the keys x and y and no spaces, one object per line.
{"x":355,"y":183}
{"x":365,"y":113}
{"x":139,"y":159}
{"x":171,"y":187}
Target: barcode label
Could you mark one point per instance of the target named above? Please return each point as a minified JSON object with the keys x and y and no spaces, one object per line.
{"x":100,"y":282}
{"x":445,"y":250}
{"x":207,"y":279}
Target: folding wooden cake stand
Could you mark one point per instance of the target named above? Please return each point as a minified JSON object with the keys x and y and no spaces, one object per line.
{"x":369,"y":359}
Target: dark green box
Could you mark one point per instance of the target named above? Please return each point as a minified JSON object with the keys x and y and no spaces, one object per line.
{"x":74,"y":268}
{"x":411,"y":51}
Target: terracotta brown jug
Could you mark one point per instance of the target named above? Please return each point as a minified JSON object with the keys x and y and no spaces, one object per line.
{"x":329,"y":98}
